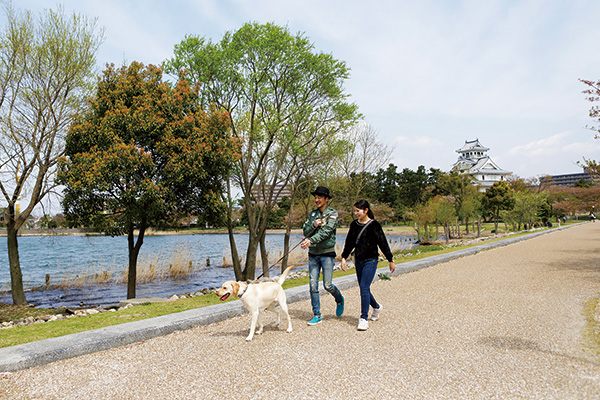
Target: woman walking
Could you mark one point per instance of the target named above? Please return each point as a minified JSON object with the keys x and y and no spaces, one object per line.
{"x":365,"y":237}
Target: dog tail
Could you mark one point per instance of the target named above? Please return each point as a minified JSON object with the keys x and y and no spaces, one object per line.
{"x":284,"y":275}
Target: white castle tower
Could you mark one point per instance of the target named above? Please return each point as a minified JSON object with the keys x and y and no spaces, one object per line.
{"x":473,"y":160}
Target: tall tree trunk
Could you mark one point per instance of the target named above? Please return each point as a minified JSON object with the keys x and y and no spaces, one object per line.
{"x":257,"y":225}
{"x":264,"y":256}
{"x":235,"y":258}
{"x":253,"y":210}
{"x":250,"y":265}
{"x":286,"y":244}
{"x":134,"y":251}
{"x":16,"y":276}
{"x":288,"y":226}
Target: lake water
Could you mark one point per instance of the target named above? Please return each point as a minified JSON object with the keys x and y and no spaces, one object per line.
{"x":65,"y":257}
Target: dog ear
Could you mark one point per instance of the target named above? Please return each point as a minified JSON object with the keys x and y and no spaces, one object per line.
{"x":236,"y":288}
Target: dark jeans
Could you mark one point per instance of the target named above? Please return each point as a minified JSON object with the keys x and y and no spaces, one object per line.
{"x":365,"y":272}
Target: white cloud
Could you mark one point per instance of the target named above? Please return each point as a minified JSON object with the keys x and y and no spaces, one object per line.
{"x":551,"y":144}
{"x":559,"y":153}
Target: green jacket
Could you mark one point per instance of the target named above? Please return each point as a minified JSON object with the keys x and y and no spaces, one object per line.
{"x":322,"y":238}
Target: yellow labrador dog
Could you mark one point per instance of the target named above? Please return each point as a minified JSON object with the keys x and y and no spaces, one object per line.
{"x":258,"y":297}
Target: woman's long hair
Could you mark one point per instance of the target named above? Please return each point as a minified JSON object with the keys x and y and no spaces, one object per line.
{"x":364,"y":205}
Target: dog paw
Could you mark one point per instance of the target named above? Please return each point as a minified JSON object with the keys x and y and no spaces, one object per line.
{"x":289,"y":330}
{"x":249,"y":338}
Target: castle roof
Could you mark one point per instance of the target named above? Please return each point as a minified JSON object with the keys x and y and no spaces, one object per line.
{"x":472,"y":145}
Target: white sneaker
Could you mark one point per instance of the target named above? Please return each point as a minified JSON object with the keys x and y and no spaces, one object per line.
{"x":363,"y":324}
{"x":376,"y":312}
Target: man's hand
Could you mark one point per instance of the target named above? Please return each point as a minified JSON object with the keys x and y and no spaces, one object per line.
{"x":343,"y":265}
{"x":318,"y":222}
{"x":305,"y":243}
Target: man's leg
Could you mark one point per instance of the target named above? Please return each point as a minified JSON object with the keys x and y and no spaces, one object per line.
{"x":327,"y":264}
{"x":314,"y":269}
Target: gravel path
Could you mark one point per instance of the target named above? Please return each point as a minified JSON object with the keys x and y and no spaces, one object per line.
{"x":505,"y":323}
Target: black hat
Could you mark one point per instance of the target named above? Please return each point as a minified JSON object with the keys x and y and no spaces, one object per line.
{"x":321,"y":191}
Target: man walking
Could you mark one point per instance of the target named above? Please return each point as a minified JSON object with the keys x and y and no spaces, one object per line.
{"x":319,"y":232}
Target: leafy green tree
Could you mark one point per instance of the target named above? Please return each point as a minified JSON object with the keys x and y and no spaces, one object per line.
{"x":526,"y":209}
{"x":440,"y":182}
{"x":386,"y":189}
{"x":497,"y":198}
{"x":461,"y":188}
{"x":46,"y":70}
{"x":518,"y":184}
{"x":544,"y":210}
{"x":402,"y":191}
{"x":583,"y":183}
{"x":444,"y":212}
{"x":423,"y":216}
{"x":46,"y":222}
{"x":286,"y":104}
{"x":277,"y":217}
{"x":60,"y":221}
{"x":413,"y":186}
{"x":144,"y":154}
{"x":470,"y":209}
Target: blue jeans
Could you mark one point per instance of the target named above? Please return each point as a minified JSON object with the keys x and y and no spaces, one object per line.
{"x":315,"y":265}
{"x":365,"y":272}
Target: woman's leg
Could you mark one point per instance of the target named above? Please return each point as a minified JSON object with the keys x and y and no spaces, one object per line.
{"x":365,"y":272}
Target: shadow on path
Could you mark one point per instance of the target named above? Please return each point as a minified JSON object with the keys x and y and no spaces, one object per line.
{"x":516,"y":343}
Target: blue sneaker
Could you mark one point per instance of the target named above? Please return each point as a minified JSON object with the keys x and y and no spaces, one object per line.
{"x":339,"y":310}
{"x":315,"y":320}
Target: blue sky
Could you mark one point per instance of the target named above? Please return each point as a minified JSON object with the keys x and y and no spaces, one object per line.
{"x":427,"y":75}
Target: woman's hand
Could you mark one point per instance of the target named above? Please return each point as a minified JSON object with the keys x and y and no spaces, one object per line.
{"x":392,"y":267}
{"x":343,"y":265}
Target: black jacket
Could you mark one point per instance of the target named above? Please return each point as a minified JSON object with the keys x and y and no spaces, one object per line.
{"x":371,"y":238}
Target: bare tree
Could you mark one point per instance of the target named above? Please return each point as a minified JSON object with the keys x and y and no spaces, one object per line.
{"x":366,"y":154}
{"x":46,"y":71}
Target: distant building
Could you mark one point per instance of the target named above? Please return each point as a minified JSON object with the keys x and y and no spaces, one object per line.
{"x":565,"y":179}
{"x":279,"y":191}
{"x":474,"y":161}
